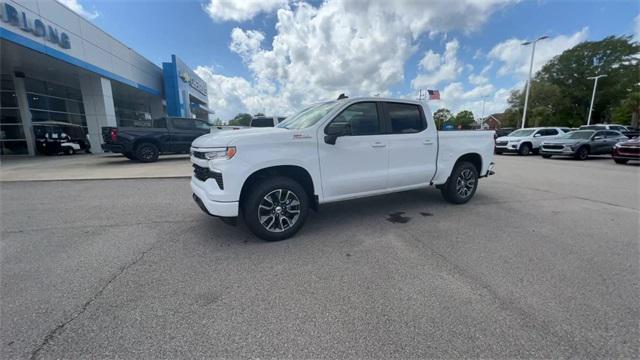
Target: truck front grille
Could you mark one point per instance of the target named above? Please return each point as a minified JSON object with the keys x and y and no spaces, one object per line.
{"x":203,"y":174}
{"x":198,"y":154}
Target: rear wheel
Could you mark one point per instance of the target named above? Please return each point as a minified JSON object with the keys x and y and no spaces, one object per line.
{"x":147,"y":152}
{"x":621,"y":161}
{"x":546,"y":156}
{"x":276,"y":208}
{"x":524,"y":149}
{"x":462,"y":183}
{"x":582,"y":153}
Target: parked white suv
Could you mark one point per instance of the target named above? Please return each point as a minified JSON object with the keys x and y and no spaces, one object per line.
{"x":527,"y":140}
{"x":333,"y":151}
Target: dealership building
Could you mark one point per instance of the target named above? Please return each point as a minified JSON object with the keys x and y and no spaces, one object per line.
{"x":56,"y":66}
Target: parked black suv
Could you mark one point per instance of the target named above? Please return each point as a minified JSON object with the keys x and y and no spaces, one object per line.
{"x":161,"y":136}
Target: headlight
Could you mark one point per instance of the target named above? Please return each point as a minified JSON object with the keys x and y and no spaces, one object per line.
{"x":616,"y":145}
{"x":221,"y":153}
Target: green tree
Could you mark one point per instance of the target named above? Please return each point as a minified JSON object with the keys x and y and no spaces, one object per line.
{"x":561,"y":91}
{"x":628,"y":111}
{"x":464,"y":119}
{"x":242,"y":119}
{"x":217,"y":122}
{"x":441,"y":116}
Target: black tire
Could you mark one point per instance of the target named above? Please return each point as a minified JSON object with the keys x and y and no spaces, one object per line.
{"x":278,"y":190}
{"x":524,"y":150}
{"x":546,"y":156}
{"x":129,"y":156}
{"x":147,"y":152}
{"x":499,"y":152}
{"x":582,"y":153}
{"x":460,"y":178}
{"x":69,"y":151}
{"x":621,"y":161}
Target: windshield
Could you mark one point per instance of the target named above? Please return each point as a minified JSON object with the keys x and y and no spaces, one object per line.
{"x":522,"y":132}
{"x":579,"y":134}
{"x":308,"y":116}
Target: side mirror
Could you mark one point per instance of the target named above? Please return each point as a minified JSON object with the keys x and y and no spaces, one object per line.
{"x":599,"y":137}
{"x":333,"y":131}
{"x":537,"y":135}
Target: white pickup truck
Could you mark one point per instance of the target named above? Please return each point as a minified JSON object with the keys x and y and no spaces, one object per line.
{"x":333,"y":151}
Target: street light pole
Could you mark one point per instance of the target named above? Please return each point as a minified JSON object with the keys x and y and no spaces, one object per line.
{"x":526,"y":96}
{"x":593,"y":95}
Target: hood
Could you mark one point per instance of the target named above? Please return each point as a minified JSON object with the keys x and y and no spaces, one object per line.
{"x":233,"y":137}
{"x":635,"y":142}
{"x":564,"y":141}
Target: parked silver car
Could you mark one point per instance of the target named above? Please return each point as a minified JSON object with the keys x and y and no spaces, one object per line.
{"x":582,"y":143}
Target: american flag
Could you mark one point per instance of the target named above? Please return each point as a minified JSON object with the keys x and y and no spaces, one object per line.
{"x":434,"y":94}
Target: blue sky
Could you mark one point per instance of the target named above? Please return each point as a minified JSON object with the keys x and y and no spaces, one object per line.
{"x":468,"y":49}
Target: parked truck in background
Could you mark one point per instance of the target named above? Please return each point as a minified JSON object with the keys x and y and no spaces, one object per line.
{"x":333,"y":151}
{"x":161,"y":136}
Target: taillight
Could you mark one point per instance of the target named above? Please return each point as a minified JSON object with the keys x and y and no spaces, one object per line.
{"x":114,"y":135}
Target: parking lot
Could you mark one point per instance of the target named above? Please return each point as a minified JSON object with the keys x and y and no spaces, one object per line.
{"x":542,"y":263}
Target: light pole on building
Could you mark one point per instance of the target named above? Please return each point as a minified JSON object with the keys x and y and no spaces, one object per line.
{"x":593,"y":96}
{"x":526,"y":96}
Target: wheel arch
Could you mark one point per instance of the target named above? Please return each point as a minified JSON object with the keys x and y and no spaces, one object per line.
{"x":140,"y":141}
{"x":473,"y":158}
{"x":295,"y":172}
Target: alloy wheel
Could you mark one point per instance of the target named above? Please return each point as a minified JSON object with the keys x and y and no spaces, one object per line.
{"x":465,"y":183}
{"x":279,"y":210}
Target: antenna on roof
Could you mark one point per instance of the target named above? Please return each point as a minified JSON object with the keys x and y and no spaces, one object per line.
{"x":342,"y":96}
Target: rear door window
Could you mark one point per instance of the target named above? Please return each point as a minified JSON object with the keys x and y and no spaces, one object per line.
{"x":405,"y":118}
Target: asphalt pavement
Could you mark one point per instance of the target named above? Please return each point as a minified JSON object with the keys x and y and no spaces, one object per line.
{"x":542,"y":263}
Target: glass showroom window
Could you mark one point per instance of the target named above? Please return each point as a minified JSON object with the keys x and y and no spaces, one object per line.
{"x":54,"y":102}
{"x":12,"y":138}
{"x":132,"y":113}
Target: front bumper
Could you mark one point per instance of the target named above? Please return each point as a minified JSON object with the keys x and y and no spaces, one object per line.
{"x":510,"y":147}
{"x":565,"y":150}
{"x":625,"y":153}
{"x":211,"y":207}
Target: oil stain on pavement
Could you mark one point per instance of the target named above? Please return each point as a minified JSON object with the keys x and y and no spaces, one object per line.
{"x":397,"y":218}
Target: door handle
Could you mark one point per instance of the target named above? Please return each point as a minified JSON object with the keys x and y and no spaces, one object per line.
{"x":378,"y":145}
{"x":428,"y":142}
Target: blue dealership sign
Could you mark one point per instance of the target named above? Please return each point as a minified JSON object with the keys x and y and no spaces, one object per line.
{"x":180,"y":85}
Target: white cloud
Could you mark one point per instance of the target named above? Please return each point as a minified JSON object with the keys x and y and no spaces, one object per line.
{"x":355,"y":47}
{"x":241,"y":10}
{"x":430,"y":61}
{"x":477,"y":79}
{"x":515,"y":57}
{"x":79,"y":9}
{"x":448,"y":69}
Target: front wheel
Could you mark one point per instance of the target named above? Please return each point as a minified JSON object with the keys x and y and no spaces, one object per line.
{"x":546,"y":156}
{"x":276,"y":208}
{"x":621,"y":161}
{"x":524,"y":149}
{"x":462,"y":183}
{"x":69,"y":151}
{"x":582,"y":153}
